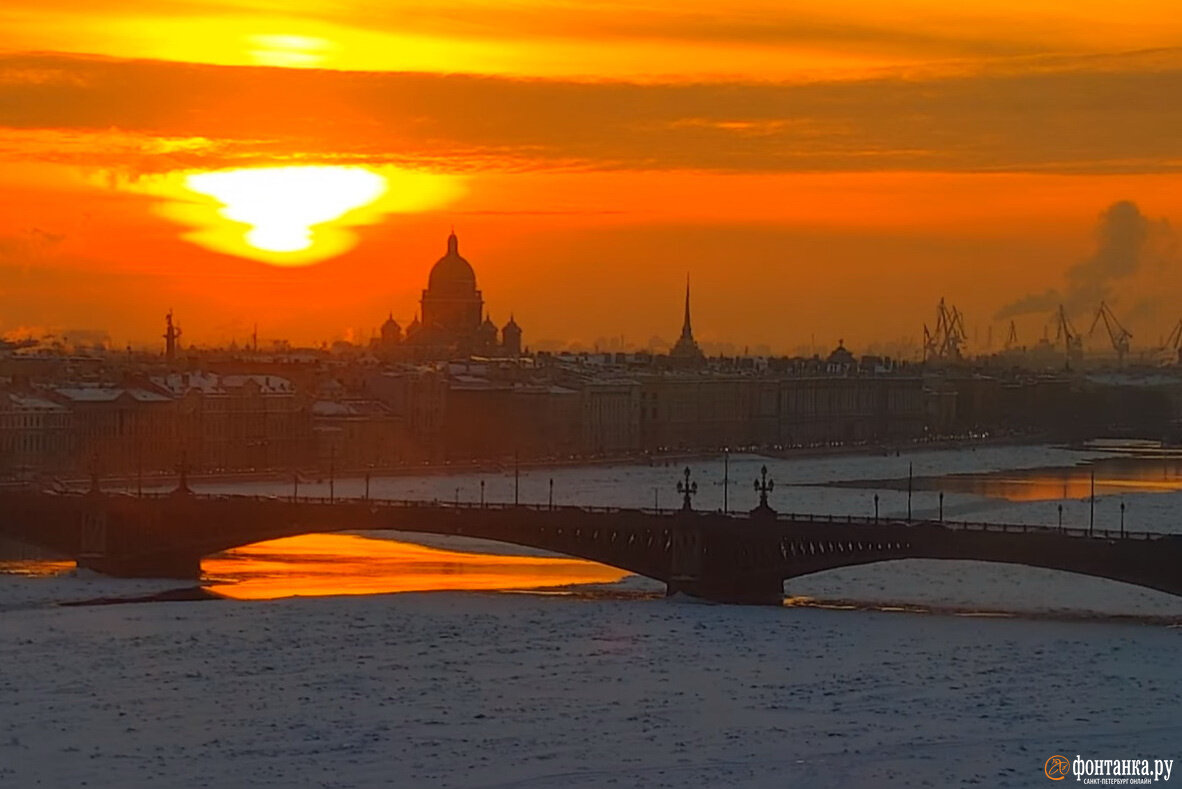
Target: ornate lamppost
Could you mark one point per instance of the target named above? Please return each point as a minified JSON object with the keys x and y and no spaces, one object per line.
{"x":726,"y":480}
{"x":764,"y":486}
{"x":332,"y":473}
{"x":687,"y":489}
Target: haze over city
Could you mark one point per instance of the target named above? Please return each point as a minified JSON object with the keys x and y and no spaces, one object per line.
{"x":822,"y":170}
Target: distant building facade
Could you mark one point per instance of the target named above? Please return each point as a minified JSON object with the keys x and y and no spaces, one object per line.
{"x":35,"y":433}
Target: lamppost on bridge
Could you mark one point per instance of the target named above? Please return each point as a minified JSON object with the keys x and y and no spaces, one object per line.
{"x":910,"y":478}
{"x":94,"y":472}
{"x":876,"y":508}
{"x":726,"y":480}
{"x":295,"y":485}
{"x":182,"y":485}
{"x":481,"y":494}
{"x":763,"y":486}
{"x":1122,"y":519}
{"x":1092,"y":505}
{"x":941,"y":506}
{"x":368,"y":471}
{"x":1060,"y":517}
{"x":687,"y":489}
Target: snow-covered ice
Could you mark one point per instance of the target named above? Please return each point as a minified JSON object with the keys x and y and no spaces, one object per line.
{"x":480,"y":690}
{"x":595,"y":689}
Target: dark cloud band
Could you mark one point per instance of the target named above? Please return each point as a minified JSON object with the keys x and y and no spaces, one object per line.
{"x":1098,"y":118}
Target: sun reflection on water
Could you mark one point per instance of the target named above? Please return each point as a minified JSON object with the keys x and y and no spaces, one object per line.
{"x":1066,"y":483}
{"x":342,"y":564}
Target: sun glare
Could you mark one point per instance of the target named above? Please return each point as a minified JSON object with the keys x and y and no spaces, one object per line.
{"x":282,"y":205}
{"x":289,"y":51}
{"x":292,"y":215}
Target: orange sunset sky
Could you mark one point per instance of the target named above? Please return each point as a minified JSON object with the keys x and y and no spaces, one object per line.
{"x":822,"y":170}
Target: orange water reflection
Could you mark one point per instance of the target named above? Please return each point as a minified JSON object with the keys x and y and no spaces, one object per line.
{"x":36,"y":567}
{"x":341,"y":564}
{"x":1066,"y":483}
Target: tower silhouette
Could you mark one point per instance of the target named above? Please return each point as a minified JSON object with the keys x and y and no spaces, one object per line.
{"x":686,"y":348}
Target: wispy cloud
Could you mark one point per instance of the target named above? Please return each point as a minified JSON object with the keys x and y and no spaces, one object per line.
{"x":913,"y":27}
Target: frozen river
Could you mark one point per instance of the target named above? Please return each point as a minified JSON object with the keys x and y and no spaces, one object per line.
{"x":607,"y":683}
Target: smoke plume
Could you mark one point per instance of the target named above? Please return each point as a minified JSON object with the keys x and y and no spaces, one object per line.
{"x":1127,"y":244}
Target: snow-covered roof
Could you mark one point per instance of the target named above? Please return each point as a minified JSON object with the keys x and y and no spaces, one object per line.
{"x":19,"y":402}
{"x":552,"y":389}
{"x":108,"y":394}
{"x":181,"y":383}
{"x":332,"y":408}
{"x":1133,"y":379}
{"x":473,"y":382}
{"x":349,"y":408}
{"x":269,"y":384}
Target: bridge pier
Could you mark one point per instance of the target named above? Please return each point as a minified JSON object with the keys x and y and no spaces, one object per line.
{"x":740,"y":590}
{"x":167,"y":565}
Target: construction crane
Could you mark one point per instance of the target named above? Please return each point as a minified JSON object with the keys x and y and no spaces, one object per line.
{"x":949,"y":335}
{"x":1118,"y":335}
{"x":1171,"y":349}
{"x":1012,"y":337}
{"x":1066,"y":334}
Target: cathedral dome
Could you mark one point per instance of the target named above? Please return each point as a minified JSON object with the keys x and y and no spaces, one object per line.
{"x":451,"y":273}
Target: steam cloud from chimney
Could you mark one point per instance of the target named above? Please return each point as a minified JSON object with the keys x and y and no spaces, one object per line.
{"x":1127,"y":243}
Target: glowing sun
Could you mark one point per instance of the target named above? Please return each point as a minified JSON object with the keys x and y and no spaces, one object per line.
{"x":283,"y":204}
{"x":293,"y":215}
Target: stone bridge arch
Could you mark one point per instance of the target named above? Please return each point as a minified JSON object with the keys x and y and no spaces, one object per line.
{"x":710,"y":555}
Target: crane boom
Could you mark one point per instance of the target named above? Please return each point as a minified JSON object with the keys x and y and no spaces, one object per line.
{"x":1118,"y":335}
{"x":1012,"y":338}
{"x":1174,"y":340}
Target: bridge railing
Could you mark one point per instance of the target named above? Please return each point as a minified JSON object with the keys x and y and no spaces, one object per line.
{"x":782,"y":518}
{"x":984,"y":526}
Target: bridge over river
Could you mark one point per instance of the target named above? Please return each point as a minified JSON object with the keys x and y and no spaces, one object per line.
{"x":727,"y":557}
